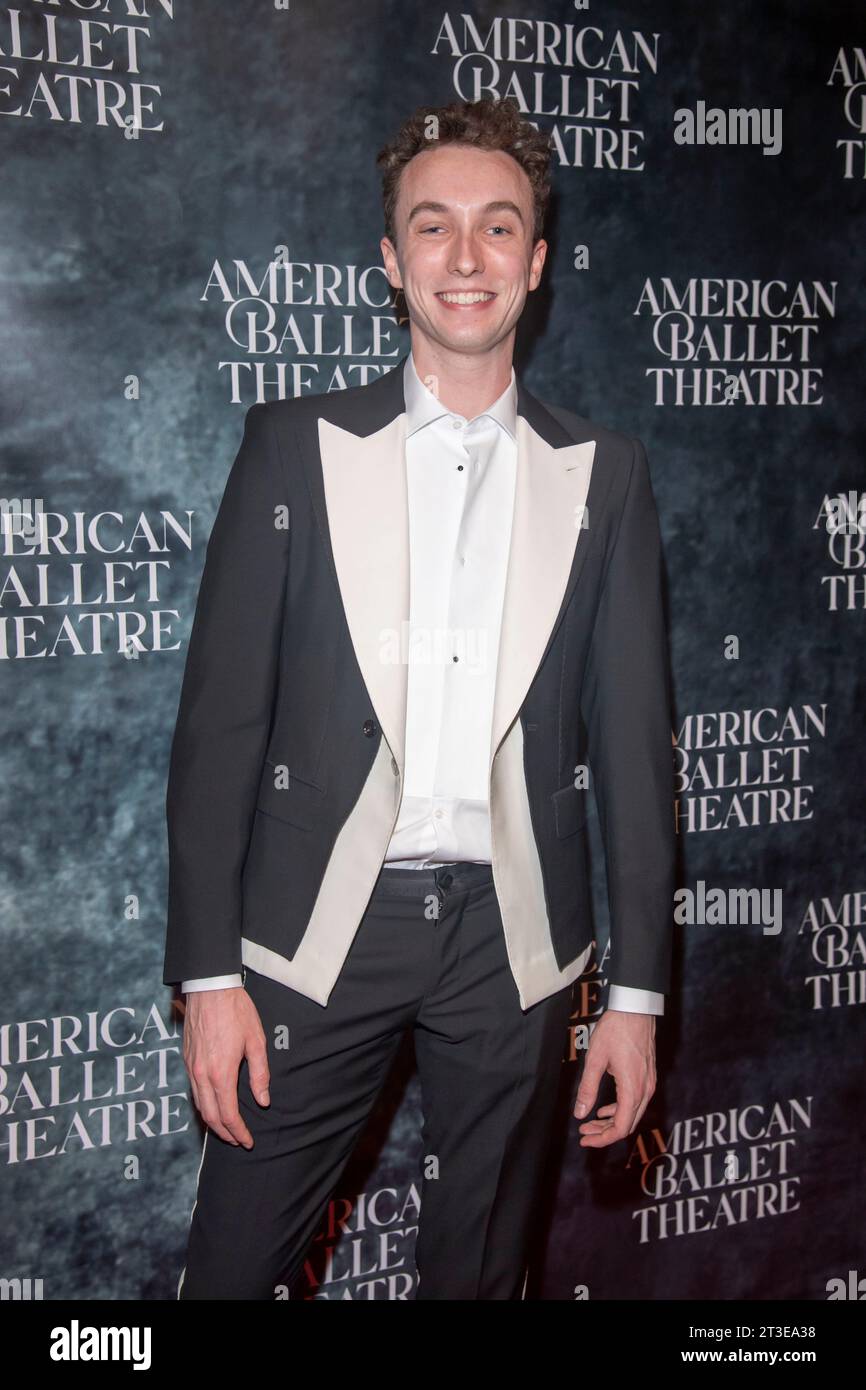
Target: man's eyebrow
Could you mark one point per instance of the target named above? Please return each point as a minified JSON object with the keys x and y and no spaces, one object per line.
{"x":499,"y":205}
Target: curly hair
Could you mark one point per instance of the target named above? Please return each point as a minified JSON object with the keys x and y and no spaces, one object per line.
{"x":489,"y":124}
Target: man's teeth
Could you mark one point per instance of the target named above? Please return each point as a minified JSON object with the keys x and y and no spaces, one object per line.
{"x":465,"y":297}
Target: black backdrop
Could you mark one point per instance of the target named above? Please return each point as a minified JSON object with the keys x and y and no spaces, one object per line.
{"x":139,"y":321}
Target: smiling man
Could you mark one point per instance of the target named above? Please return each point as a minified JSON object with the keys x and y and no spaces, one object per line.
{"x":393,"y":712}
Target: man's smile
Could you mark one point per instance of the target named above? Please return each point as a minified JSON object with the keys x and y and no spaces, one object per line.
{"x":463,"y":299}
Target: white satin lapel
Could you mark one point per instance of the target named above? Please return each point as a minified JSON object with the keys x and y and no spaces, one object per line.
{"x":368,"y":519}
{"x":550,"y":494}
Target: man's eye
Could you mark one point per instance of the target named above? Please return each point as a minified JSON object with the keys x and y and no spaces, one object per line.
{"x":500,"y":228}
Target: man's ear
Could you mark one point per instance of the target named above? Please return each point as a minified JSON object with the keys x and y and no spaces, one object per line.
{"x":536,"y":265}
{"x":392,"y":268}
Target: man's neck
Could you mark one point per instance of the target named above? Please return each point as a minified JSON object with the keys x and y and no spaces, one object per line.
{"x":466,"y":384}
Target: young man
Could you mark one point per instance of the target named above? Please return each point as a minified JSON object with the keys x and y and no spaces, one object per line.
{"x":428,"y":605}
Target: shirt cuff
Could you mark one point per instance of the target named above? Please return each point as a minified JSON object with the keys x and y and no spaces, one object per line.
{"x":635,"y":1001}
{"x":212,"y":982}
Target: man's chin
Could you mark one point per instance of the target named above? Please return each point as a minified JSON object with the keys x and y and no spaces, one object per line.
{"x":469,"y":338}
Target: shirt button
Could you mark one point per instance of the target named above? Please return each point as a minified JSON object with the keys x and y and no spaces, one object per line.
{"x":457,"y":423}
{"x":438,"y":815}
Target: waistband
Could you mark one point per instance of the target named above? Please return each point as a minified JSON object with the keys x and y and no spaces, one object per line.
{"x":420,"y":883}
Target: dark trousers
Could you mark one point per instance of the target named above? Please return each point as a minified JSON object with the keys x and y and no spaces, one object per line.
{"x":429,"y":954}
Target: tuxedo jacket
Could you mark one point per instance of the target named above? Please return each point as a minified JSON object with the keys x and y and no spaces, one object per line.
{"x":304,"y":589}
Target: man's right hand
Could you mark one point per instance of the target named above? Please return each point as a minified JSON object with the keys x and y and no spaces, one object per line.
{"x":222,"y":1027}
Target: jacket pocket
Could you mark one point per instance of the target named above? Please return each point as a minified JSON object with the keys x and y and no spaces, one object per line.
{"x":299,"y":804}
{"x":569,"y":805}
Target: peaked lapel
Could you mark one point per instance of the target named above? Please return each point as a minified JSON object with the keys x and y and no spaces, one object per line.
{"x":359,"y":488}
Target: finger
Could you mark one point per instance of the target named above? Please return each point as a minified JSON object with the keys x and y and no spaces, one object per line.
{"x":230,"y":1115}
{"x":598,"y":1141}
{"x":210,"y":1111}
{"x":587,"y":1091}
{"x":259,"y":1072}
{"x":617,"y":1127}
{"x":595,"y":1126}
{"x":601,"y":1135}
{"x":623,"y":1119}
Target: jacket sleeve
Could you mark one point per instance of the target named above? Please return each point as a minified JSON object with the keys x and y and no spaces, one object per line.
{"x":224,"y":715}
{"x":626,"y":706}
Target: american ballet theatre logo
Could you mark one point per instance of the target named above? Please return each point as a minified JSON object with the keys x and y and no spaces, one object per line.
{"x":105,"y":1079}
{"x":841,"y":518}
{"x":582,"y":83}
{"x":737,"y":769}
{"x":722,"y":1169}
{"x":363,"y":1250}
{"x":736,"y":342}
{"x":848,"y":75}
{"x":279,"y":319}
{"x":87,"y":583}
{"x":836,"y":933}
{"x":70,"y":68}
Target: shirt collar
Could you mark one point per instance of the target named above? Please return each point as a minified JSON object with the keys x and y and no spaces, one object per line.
{"x":422,"y":407}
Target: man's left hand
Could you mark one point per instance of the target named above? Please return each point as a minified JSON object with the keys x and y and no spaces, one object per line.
{"x":624,"y":1045}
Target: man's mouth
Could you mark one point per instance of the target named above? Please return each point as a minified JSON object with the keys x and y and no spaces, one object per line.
{"x":465,"y":296}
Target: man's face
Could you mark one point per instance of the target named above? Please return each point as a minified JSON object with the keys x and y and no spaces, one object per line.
{"x":464,"y":226}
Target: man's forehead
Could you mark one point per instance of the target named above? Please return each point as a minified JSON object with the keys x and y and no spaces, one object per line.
{"x":434,"y":184}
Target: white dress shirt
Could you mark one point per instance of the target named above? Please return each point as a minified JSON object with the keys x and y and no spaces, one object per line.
{"x":461,"y":477}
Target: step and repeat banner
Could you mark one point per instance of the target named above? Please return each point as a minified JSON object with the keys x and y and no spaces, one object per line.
{"x":190,"y":223}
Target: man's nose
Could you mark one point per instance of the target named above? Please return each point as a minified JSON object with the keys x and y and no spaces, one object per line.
{"x":468,"y":256}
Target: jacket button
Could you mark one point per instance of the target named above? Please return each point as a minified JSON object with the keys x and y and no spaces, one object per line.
{"x":369,"y":727}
